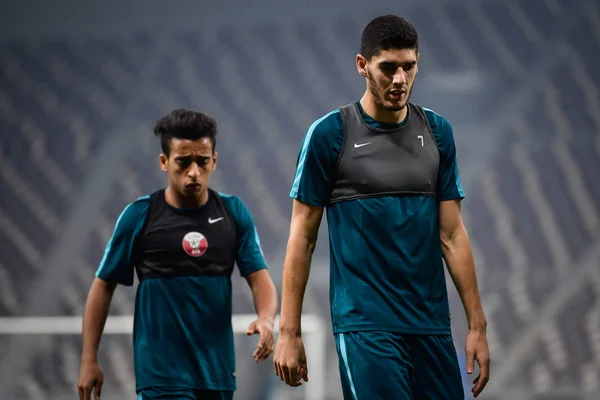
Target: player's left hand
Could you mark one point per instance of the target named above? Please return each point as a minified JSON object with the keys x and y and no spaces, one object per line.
{"x":477,"y":350}
{"x":266,"y":342}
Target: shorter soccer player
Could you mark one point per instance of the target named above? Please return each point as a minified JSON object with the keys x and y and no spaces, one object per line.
{"x":183,"y":242}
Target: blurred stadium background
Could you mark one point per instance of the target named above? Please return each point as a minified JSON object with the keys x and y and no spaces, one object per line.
{"x":81,"y":85}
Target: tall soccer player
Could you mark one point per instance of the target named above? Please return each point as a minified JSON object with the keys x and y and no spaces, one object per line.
{"x":183,"y":243}
{"x":386,"y":170}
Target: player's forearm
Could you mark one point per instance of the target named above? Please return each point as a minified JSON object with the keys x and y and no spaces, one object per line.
{"x":94,"y":317}
{"x":296,"y":271}
{"x":456,"y":250}
{"x":265,"y":298}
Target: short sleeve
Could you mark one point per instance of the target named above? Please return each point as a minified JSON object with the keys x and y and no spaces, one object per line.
{"x":250,"y":257}
{"x":116,"y":265}
{"x":317,"y":159}
{"x":449,"y":184}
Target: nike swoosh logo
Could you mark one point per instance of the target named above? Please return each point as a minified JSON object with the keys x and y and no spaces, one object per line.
{"x":356,"y":145}
{"x":212,"y":221}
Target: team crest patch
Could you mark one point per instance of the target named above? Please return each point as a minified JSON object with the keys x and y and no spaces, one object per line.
{"x":195,"y":244}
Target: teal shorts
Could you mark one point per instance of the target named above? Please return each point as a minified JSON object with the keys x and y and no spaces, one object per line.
{"x":389,"y":366}
{"x":166,"y":393}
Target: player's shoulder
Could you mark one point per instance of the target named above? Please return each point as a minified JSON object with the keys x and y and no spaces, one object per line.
{"x":327,"y":124}
{"x":441,"y":130}
{"x":228,"y":198}
{"x":234,"y":204}
{"x":142,"y":201}
{"x":138,"y":206}
{"x":326,"y":134}
{"x":439,"y":124}
{"x":134,"y":214}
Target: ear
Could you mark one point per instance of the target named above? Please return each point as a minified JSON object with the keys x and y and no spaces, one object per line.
{"x":215,"y":160}
{"x":361,"y":65}
{"x":164,"y":162}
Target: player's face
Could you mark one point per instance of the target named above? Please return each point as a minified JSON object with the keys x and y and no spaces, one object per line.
{"x":390,"y":77}
{"x":189,"y":165}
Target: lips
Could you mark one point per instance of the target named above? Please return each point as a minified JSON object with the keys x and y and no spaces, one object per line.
{"x":193,"y":186}
{"x":397,"y":94}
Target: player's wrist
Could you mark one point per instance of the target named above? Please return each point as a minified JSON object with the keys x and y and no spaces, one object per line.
{"x":267,"y":320}
{"x":290,"y":330}
{"x":89,"y":358}
{"x":478,"y":326}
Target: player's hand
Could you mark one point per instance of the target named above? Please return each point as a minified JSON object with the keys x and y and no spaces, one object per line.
{"x":477,"y":350}
{"x":90,"y":378}
{"x":266,"y":342}
{"x":290,"y":360}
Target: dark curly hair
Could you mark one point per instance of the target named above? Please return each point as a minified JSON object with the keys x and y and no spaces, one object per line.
{"x":184,"y":124}
{"x":388,"y":32}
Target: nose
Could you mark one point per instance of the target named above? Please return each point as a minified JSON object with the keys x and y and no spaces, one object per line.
{"x":194,"y":172}
{"x":400,"y":77}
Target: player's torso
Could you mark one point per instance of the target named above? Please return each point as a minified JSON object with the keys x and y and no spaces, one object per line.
{"x":386,"y":270}
{"x":378,"y":161}
{"x":182,"y":332}
{"x":187,"y":242}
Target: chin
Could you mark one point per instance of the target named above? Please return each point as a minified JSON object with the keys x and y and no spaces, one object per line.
{"x":192,"y":191}
{"x":392,"y":106}
{"x":395,"y":108}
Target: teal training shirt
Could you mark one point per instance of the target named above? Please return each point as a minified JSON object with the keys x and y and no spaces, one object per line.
{"x":386,"y":268}
{"x":183,"y":335}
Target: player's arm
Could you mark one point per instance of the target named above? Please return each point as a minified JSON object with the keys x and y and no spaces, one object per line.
{"x":265,"y":304}
{"x":115,"y":268}
{"x":252,"y":265}
{"x":456,"y":250}
{"x":310,"y":191}
{"x":264,"y":294}
{"x":304,"y":229}
{"x":94,"y":318}
{"x":291,"y":365}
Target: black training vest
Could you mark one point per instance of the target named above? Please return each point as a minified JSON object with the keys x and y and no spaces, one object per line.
{"x":186,"y":242}
{"x":385,"y":162}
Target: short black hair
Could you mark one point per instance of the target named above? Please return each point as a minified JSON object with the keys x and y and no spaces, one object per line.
{"x":185,"y":124}
{"x":388,"y":32}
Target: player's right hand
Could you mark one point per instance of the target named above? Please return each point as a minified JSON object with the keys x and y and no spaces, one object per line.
{"x":90,"y":378}
{"x":290,"y":360}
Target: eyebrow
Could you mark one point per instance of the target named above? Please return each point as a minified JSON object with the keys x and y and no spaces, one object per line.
{"x":393,"y":63}
{"x":200,"y":157}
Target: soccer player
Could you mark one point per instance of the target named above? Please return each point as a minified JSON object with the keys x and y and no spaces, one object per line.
{"x":183,"y":242}
{"x":386,"y":170}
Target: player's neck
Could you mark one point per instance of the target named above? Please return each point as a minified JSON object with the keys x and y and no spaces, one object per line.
{"x":371,"y":108}
{"x":176,"y":200}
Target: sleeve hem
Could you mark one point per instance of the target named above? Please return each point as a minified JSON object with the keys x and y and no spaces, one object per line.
{"x":451,"y":197}
{"x":253,"y":269}
{"x":115,"y":281}
{"x":304,"y":199}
